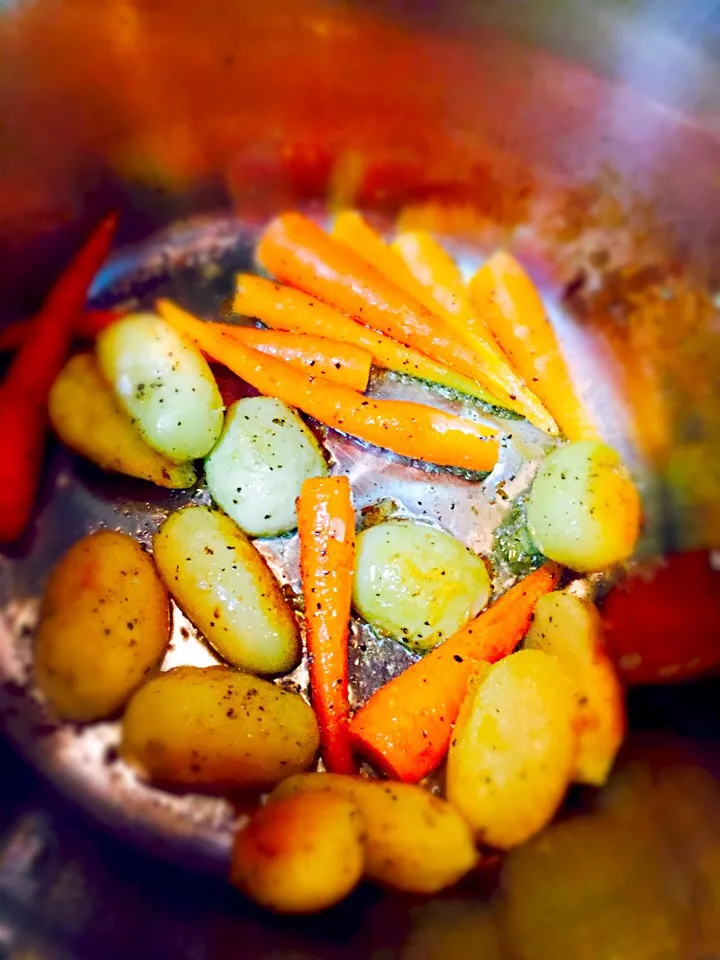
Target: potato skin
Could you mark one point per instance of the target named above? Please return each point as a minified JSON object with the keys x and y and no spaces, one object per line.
{"x":224,"y":585}
{"x":513,"y":748}
{"x":164,"y":383}
{"x":571,"y":630}
{"x":215,"y":729}
{"x":584,"y":510}
{"x":104,"y":627}
{"x":417,"y":583}
{"x":87,"y":418}
{"x":301,"y":854}
{"x":414,"y":841}
{"x":256,"y":470}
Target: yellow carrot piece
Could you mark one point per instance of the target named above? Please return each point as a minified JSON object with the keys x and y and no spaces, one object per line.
{"x":410,"y":429}
{"x":286,"y":308}
{"x":506,"y":298}
{"x":436,"y":273}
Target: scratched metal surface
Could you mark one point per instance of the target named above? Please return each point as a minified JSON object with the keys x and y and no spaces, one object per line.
{"x":194,"y":263}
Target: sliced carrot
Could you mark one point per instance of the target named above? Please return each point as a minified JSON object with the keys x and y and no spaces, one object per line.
{"x":286,"y":308}
{"x":352,"y":229}
{"x":410,"y":429}
{"x":298,"y":252}
{"x":88,"y":326}
{"x":506,"y":298}
{"x":404,"y":729}
{"x":418,"y":264}
{"x":326,"y":526}
{"x":23,"y":393}
{"x":340,"y":362}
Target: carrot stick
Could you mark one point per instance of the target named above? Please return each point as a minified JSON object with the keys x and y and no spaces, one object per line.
{"x":285,"y":308}
{"x":88,"y":326}
{"x":418,"y":264}
{"x":506,"y":298}
{"x":298,"y":252}
{"x":410,"y":429}
{"x":340,"y":362}
{"x":326,"y":526}
{"x":404,"y":729}
{"x":23,"y":393}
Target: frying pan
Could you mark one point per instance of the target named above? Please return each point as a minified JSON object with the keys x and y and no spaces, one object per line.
{"x":198,"y":124}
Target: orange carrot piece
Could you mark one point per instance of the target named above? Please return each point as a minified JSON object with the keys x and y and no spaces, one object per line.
{"x":506,"y":298}
{"x":404,"y":729}
{"x":418,"y":264}
{"x":286,"y":308}
{"x":88,"y":326}
{"x":326,"y":526}
{"x":299,"y":253}
{"x":340,"y":362}
{"x":23,"y":393}
{"x":410,"y":429}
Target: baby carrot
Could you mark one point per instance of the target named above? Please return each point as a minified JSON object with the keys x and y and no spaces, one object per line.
{"x":285,"y":308}
{"x":404,"y":729}
{"x":438,"y":274}
{"x":410,"y":429}
{"x":87,"y":327}
{"x":23,"y":393}
{"x":298,"y":252}
{"x":506,"y":298}
{"x":326,"y":526}
{"x":342,"y":363}
{"x":418,"y":264}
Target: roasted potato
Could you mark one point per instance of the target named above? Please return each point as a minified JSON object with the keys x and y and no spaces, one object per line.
{"x":104,"y":627}
{"x":256,"y":471}
{"x":86,"y":416}
{"x":584,"y":510}
{"x":570,"y":629}
{"x":414,"y":841}
{"x":226,"y":588}
{"x":300,"y":854}
{"x":215,"y":729}
{"x":164,"y":384}
{"x":513,"y":748}
{"x":417,"y":583}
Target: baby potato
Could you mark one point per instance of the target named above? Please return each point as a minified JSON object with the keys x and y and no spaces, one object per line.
{"x":570,"y":629}
{"x":300,"y":854}
{"x":417,"y":583}
{"x":215,"y":729}
{"x":414,"y":841}
{"x":256,"y":471}
{"x":104,"y":626}
{"x":513,"y":748}
{"x":87,"y":418}
{"x":226,"y":588}
{"x":584,"y":510}
{"x":164,"y":383}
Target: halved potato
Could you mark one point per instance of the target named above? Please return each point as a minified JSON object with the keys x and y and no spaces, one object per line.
{"x":414,"y":841}
{"x":300,"y":854}
{"x":104,"y":627}
{"x":164,"y":383}
{"x":257,"y":470}
{"x":513,"y":748}
{"x":584,"y":510}
{"x":570,"y":629}
{"x":87,"y":418}
{"x":215,"y":729}
{"x":227,"y":589}
{"x":417,"y":583}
